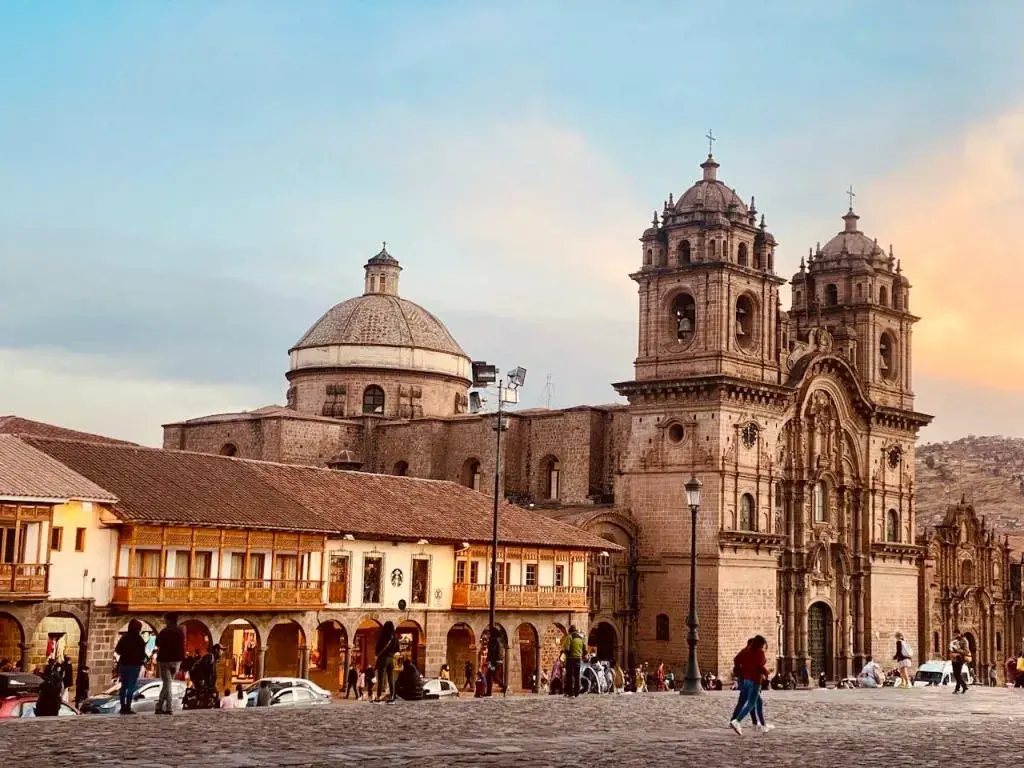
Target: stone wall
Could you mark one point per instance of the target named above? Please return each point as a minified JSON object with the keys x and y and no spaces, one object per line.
{"x":894,"y":608}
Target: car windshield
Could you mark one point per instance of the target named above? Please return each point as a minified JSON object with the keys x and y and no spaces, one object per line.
{"x":928,"y":676}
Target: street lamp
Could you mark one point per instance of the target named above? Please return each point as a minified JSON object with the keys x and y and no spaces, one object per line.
{"x":691,"y":683}
{"x":484,"y":374}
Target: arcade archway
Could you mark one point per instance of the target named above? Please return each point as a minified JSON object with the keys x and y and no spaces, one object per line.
{"x":285,"y":643}
{"x":604,"y":640}
{"x":12,"y":637}
{"x":529,"y":657}
{"x":364,"y":643}
{"x":819,"y":638}
{"x":461,"y":655}
{"x":412,"y":645}
{"x":328,"y":659}
{"x":240,"y":651}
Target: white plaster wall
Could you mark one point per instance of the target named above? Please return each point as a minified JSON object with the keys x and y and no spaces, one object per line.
{"x":397,"y":556}
{"x":403,"y":358}
{"x":74,"y":575}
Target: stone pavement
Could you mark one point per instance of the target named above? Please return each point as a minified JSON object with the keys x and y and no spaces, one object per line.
{"x":920,"y":727}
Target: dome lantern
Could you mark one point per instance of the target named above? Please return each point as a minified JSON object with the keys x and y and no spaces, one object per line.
{"x":382,"y":273}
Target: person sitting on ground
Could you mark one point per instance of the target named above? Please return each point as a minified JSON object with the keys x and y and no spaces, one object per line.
{"x":239,"y":696}
{"x":227,"y":701}
{"x":871,"y":675}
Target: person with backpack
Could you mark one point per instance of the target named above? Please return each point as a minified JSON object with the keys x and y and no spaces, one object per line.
{"x":903,"y":657}
{"x":572,"y":649}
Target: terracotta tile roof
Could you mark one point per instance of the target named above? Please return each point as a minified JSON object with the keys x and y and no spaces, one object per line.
{"x":155,"y":485}
{"x":15,"y":425}
{"x":176,"y":487}
{"x":26,"y":472}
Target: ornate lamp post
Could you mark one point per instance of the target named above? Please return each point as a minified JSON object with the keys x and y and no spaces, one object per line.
{"x":691,"y":683}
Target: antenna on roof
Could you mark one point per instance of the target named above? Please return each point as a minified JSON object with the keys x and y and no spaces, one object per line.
{"x":548,"y":392}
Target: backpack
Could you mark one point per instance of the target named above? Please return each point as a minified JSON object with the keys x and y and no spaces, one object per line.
{"x":907,"y":650}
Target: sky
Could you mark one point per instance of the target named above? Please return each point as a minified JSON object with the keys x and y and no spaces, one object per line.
{"x":185,"y":187}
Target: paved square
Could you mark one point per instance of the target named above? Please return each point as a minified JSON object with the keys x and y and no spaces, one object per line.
{"x":920,"y":727}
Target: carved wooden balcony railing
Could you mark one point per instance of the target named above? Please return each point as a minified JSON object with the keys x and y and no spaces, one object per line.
{"x":141,"y":593}
{"x":24,"y":581}
{"x":519,"y":597}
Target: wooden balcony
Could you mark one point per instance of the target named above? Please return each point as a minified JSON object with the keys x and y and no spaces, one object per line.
{"x":140,"y":593}
{"x":24,"y":581}
{"x":474,"y":597}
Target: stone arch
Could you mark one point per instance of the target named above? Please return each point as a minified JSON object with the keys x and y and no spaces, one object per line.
{"x":684,"y":253}
{"x":329,"y":657}
{"x":604,"y":639}
{"x":888,"y":355}
{"x":820,"y":637}
{"x":242,"y":649}
{"x":286,"y":643}
{"x":229,"y":449}
{"x":834,"y":375}
{"x":471,"y":475}
{"x":62,"y":631}
{"x":747,"y":321}
{"x":966,"y":573}
{"x":741,"y":256}
{"x":527,"y":642}
{"x":364,"y":642}
{"x":12,"y":639}
{"x":374,"y":400}
{"x":680,"y":311}
{"x":460,"y":650}
{"x":551,"y":645}
{"x":549,"y":478}
{"x":892,"y":526}
{"x":412,"y":643}
{"x":501,"y":673}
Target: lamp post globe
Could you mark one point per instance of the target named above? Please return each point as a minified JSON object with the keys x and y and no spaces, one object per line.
{"x":691,"y":682}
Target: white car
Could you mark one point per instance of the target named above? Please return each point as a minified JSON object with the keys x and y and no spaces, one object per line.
{"x":938,"y":673}
{"x":288,"y":696}
{"x":440,"y":689}
{"x":290,"y":682}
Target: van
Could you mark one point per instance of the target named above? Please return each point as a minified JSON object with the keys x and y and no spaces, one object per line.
{"x":939,"y":673}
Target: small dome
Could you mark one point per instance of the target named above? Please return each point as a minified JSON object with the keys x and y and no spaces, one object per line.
{"x":851,"y":242}
{"x":709,"y":194}
{"x":380,"y":320}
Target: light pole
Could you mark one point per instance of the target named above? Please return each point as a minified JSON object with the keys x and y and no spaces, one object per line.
{"x":691,"y":683}
{"x":484,"y":374}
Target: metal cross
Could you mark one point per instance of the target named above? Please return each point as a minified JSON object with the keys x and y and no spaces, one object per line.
{"x":711,"y":139}
{"x":850,"y":194}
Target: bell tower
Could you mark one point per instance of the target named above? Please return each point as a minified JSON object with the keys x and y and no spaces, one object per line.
{"x":708,"y":290}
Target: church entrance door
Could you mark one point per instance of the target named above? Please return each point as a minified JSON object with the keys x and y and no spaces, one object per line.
{"x":819,"y":639}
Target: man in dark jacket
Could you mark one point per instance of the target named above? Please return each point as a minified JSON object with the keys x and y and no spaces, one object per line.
{"x":170,"y":652}
{"x":131,"y":655}
{"x":82,"y":685}
{"x":352,"y":682}
{"x":68,"y":677}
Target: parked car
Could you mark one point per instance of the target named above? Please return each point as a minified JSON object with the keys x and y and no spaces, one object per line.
{"x":440,"y":689}
{"x":283,"y":695}
{"x":19,"y":693}
{"x":938,"y":673}
{"x":146,"y":695}
{"x":293,"y":682}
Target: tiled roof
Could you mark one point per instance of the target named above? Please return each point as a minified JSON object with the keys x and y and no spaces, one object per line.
{"x":266,"y":412}
{"x":155,"y":485}
{"x":15,"y":425}
{"x":29,"y":473}
{"x":380,"y":320}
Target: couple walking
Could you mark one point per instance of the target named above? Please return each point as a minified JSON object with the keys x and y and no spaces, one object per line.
{"x":750,"y":671}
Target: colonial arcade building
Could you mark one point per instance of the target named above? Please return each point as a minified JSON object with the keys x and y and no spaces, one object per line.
{"x":801,"y":424}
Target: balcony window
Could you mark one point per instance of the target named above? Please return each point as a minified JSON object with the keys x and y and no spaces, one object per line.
{"x":460,"y":572}
{"x":420,"y":580}
{"x":257,"y":566}
{"x":237,"y":570}
{"x":530,"y":578}
{"x":559,"y":575}
{"x":373,"y":567}
{"x":474,"y":572}
{"x":202,"y":566}
{"x":503,"y":574}
{"x":181,"y":565}
{"x":338,"y":587}
{"x":286,"y":568}
{"x":147,"y":564}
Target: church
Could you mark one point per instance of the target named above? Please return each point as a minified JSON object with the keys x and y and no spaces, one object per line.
{"x":800,"y":424}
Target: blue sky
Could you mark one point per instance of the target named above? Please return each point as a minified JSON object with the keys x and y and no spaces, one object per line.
{"x":186,"y":186}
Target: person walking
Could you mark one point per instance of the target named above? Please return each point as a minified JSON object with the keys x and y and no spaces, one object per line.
{"x":618,"y":678}
{"x":387,"y":647}
{"x":352,"y":682}
{"x":131,"y":655}
{"x":67,"y":672}
{"x":81,"y":685}
{"x":572,"y":648}
{"x":170,"y":652}
{"x":904,"y":654}
{"x":467,"y":670}
{"x":959,"y":654}
{"x":757,"y":715}
{"x":751,"y":663}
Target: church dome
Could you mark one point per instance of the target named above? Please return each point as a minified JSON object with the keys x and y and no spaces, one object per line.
{"x":851,"y":243}
{"x":710,"y":194}
{"x":380,"y":320}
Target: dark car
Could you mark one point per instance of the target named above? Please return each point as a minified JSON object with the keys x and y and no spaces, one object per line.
{"x":109,"y":703}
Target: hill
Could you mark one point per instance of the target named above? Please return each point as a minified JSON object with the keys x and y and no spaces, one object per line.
{"x":987,"y":471}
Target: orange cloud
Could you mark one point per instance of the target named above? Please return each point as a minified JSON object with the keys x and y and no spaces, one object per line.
{"x":954,"y":216}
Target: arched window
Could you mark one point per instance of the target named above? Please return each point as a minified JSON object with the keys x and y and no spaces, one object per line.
{"x":892,"y":525}
{"x":820,"y":501}
{"x":831,"y":295}
{"x":883,"y":296}
{"x":746,"y":512}
{"x":229,"y":449}
{"x":798,"y":297}
{"x":383,"y":282}
{"x":711,"y":250}
{"x":999,"y":641}
{"x":471,"y":474}
{"x":373,"y":399}
{"x":648,"y":258}
{"x":745,"y":322}
{"x":551,"y":470}
{"x":684,"y":317}
{"x":661,"y":258}
{"x":741,"y":256}
{"x":896,"y":298}
{"x":401,"y":469}
{"x":887,"y":356}
{"x":684,"y":252}
{"x":967,"y":573}
{"x":661,"y":631}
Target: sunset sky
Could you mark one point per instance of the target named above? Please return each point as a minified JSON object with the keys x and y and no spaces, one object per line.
{"x":186,"y":186}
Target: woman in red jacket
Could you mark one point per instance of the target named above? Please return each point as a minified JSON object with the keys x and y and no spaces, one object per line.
{"x":751,"y":661}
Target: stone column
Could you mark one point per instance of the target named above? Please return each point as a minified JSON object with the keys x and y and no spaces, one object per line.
{"x":261,"y":656}
{"x":304,"y":662}
{"x":26,"y":656}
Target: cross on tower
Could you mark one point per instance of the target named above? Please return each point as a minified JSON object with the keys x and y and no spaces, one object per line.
{"x":850,"y":194}
{"x":711,"y":139}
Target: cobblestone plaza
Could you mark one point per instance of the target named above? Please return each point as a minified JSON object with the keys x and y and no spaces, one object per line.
{"x":920,"y":727}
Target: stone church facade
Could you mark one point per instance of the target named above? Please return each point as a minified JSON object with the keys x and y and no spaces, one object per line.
{"x":800,"y":424}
